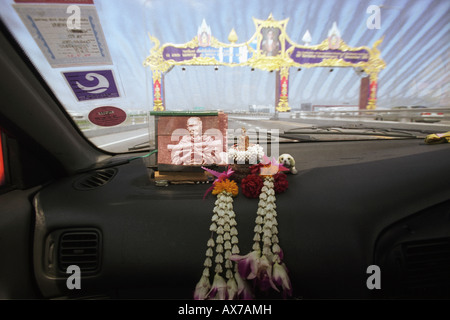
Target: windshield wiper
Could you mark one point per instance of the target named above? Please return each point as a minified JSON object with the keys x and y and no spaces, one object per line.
{"x":316,"y":133}
{"x":140,"y":147}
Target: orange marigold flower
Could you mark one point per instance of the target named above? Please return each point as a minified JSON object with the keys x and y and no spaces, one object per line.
{"x":226,"y":185}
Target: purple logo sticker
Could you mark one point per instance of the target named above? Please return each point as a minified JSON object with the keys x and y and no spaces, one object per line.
{"x":90,"y":85}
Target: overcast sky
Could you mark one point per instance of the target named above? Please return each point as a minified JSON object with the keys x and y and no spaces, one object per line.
{"x":415,"y":49}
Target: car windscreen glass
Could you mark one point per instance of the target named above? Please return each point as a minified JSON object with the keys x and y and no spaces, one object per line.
{"x":267,"y":66}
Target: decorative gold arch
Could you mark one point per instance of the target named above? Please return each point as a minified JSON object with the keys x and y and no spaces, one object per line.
{"x":269,"y":49}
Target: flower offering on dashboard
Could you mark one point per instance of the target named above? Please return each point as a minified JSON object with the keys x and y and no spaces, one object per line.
{"x":223,"y":243}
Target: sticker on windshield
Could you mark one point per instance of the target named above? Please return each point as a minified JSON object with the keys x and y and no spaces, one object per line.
{"x":107,"y":116}
{"x":67,"y":35}
{"x":90,"y":85}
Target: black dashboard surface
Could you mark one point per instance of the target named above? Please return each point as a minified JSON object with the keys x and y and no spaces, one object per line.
{"x":344,"y":198}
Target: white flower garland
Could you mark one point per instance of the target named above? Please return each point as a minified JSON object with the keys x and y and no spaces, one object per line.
{"x":266,"y":230}
{"x":253,"y":154}
{"x":223,"y":225}
{"x":263,"y":266}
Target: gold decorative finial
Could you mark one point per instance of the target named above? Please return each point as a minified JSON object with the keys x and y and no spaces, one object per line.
{"x":232,"y":37}
{"x":243,"y":142}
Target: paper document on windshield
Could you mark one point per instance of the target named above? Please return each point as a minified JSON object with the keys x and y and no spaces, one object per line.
{"x":62,"y":43}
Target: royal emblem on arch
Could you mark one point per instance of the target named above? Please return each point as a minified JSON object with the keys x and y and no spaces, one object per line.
{"x":269,"y":49}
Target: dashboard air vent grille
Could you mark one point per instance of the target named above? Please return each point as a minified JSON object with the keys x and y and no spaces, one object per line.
{"x":426,"y":266}
{"x":95,"y":179}
{"x":81,"y":248}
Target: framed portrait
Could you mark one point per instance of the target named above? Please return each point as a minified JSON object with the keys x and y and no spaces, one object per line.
{"x":191,"y":140}
{"x":270,"y":44}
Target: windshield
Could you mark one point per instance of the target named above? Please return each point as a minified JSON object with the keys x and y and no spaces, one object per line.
{"x":116,"y":66}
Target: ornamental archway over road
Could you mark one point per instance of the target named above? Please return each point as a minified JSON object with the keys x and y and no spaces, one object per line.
{"x":269,"y":49}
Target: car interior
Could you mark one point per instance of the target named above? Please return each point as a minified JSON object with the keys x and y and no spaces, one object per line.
{"x":353,"y":204}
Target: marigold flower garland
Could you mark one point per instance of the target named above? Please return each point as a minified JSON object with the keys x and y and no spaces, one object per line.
{"x":264,"y":265}
{"x":225,"y":244}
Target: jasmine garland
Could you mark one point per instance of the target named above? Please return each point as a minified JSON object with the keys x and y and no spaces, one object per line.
{"x":223,"y":243}
{"x":264,"y":265}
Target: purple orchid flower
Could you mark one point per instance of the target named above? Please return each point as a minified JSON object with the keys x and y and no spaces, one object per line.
{"x":281,"y":279}
{"x":220,"y":176}
{"x":202,"y":288}
{"x":248,"y":264}
{"x":255,"y":267}
{"x":274,"y":167}
{"x":264,"y":275}
{"x":244,"y":290}
{"x":219,"y":289}
{"x":232,"y":289}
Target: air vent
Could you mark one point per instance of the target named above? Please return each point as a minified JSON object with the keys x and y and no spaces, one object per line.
{"x":96,"y":179}
{"x":81,"y":248}
{"x":426,"y":267}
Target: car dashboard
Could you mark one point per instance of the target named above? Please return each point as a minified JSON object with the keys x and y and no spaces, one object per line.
{"x":352,"y":205}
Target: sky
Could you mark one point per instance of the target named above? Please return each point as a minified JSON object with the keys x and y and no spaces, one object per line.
{"x":415,"y":48}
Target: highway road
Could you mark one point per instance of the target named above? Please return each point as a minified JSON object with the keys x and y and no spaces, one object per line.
{"x":122,"y":141}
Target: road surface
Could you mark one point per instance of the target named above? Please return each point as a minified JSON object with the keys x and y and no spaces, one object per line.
{"x":122,"y":141}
